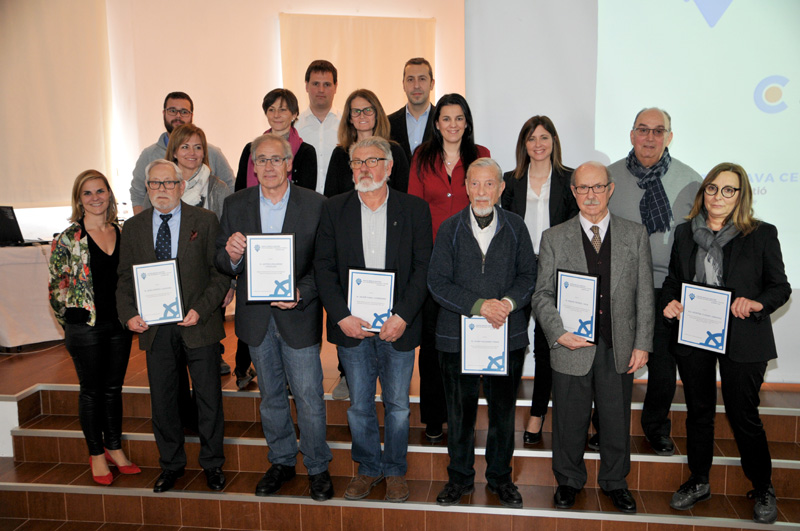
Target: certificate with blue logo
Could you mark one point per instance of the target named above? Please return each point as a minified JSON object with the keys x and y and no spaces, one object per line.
{"x":704,"y":321}
{"x":270,"y":267}
{"x":484,"y":348}
{"x":158,"y":292}
{"x":576,"y":300}
{"x":370,"y":296}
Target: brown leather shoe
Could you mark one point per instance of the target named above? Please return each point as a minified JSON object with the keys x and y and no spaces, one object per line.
{"x":396,"y":489}
{"x":360,"y":486}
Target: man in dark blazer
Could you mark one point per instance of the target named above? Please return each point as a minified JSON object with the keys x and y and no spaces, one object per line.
{"x":374,"y":228}
{"x":412,"y":124}
{"x":173,"y":229}
{"x":618,"y":252}
{"x":284,"y":337}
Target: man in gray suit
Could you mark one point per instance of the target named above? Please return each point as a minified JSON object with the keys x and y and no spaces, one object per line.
{"x":618,"y":252}
{"x":284,"y":337}
{"x":173,"y":229}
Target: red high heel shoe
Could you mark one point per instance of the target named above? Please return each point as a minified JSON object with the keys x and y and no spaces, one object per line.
{"x":123,"y":469}
{"x":101,"y":480}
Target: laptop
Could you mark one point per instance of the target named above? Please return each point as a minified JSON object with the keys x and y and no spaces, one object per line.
{"x":10,"y":234}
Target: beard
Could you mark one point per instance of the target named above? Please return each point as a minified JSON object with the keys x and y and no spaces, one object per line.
{"x":368,"y":185}
{"x":170,"y":126}
{"x":485,"y":211}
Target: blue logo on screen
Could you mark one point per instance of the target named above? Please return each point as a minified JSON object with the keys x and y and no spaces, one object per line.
{"x":712,"y":10}
{"x":768,"y":95}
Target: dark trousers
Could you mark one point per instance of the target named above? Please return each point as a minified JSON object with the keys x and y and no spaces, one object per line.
{"x":462,"y":392}
{"x":661,"y":376}
{"x":572,"y":409}
{"x":741,"y":383}
{"x":432,"y":405}
{"x":163,"y":367}
{"x":543,"y":374}
{"x":242,"y":359}
{"x":100,"y":354}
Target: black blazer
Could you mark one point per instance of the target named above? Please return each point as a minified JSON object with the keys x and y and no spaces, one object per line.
{"x":754,"y":270}
{"x":562,"y":203}
{"x":397,"y":121}
{"x":408,"y":251}
{"x":339,"y":178}
{"x":301,"y":326}
{"x":304,"y":167}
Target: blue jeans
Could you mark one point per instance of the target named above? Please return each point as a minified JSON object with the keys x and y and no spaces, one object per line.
{"x":276,"y":362}
{"x":364,"y":364}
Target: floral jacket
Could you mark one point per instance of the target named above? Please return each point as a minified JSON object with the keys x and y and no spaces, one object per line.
{"x":70,"y":277}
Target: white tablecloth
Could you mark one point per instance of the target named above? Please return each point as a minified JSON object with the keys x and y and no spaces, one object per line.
{"x":25,"y":314}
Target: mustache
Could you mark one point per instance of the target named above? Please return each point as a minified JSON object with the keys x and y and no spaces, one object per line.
{"x":591,"y":201}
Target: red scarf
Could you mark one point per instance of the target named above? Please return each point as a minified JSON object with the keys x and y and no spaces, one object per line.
{"x":294,"y":140}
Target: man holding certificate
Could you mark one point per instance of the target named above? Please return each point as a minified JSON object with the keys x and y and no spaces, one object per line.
{"x":153,"y":241}
{"x":596,"y":354}
{"x":371,"y":262}
{"x":278,"y":313}
{"x":482,"y":272}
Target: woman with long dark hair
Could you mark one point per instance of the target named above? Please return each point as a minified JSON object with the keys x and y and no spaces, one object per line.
{"x":538,"y":191}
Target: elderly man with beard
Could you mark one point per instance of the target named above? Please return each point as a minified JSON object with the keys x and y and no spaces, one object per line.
{"x":482,"y":265}
{"x":372,"y":227}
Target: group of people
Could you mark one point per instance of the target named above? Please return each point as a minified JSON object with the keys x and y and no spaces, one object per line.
{"x":413,"y":194}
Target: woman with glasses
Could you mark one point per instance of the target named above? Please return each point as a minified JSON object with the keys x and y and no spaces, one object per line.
{"x":723,"y":245}
{"x":281,"y":109}
{"x":538,"y":191}
{"x":362,"y":117}
{"x":83,"y":283}
{"x":438,"y":171}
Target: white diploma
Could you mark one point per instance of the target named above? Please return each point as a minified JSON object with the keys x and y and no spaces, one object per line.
{"x":370,"y":296}
{"x":158,"y":292}
{"x":270,"y":267}
{"x":483,"y":347}
{"x":576,"y":300}
{"x":706,"y":312}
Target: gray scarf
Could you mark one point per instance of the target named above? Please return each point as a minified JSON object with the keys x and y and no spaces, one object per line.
{"x":708,"y":264}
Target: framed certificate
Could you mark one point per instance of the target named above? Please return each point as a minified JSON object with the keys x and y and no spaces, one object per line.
{"x":576,"y":301}
{"x":483,"y":347}
{"x":270,"y":267}
{"x":158,"y":292}
{"x":706,"y":312}
{"x":370,"y":296}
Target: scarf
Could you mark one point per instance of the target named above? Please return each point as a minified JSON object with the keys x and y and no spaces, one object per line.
{"x":654,"y":207}
{"x":294,"y":140}
{"x":708,"y":263}
{"x":197,"y":187}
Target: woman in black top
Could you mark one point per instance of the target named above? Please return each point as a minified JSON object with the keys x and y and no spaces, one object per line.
{"x":83,"y":283}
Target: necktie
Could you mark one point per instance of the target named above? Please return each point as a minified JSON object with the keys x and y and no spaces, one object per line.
{"x":596,"y":241}
{"x":164,"y":239}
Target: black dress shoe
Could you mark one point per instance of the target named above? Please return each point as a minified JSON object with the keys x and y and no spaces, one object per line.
{"x":565,"y":496}
{"x":321,"y":486}
{"x":167,"y":480}
{"x":452,"y":492}
{"x":508,"y":494}
{"x":530,"y":437}
{"x":434,"y":432}
{"x":274,"y":479}
{"x":661,"y":445}
{"x":622,"y":500}
{"x":215,"y":478}
{"x":594,"y":442}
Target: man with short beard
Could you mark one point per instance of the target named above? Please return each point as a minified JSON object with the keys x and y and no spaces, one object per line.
{"x":373,"y":228}
{"x":178,"y":110}
{"x":482,"y":265}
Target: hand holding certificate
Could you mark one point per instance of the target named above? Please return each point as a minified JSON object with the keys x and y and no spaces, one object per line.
{"x":270,"y":267}
{"x":704,"y":322}
{"x":158,"y":292}
{"x":576,"y":301}
{"x":484,"y":348}
{"x":370,"y":296}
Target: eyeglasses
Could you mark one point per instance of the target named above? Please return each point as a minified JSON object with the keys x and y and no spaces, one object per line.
{"x":168,"y":185}
{"x":727,"y":191}
{"x":172,"y":111}
{"x":370,"y":162}
{"x":368,"y":111}
{"x":276,"y":161}
{"x":644,"y":131}
{"x":597,"y":188}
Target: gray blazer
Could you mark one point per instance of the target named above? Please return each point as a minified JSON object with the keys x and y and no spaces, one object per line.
{"x":632,"y":298}
{"x":301,"y":326}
